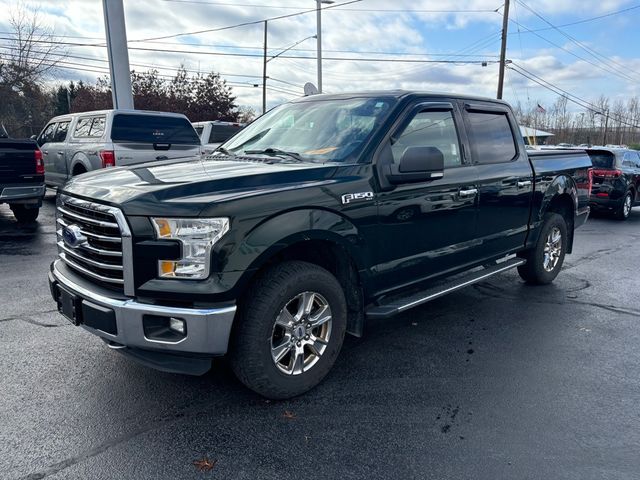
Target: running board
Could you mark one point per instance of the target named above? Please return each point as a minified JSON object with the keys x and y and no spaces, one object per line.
{"x":399,"y":305}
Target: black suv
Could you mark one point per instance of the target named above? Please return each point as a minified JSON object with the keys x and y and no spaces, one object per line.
{"x":616,"y":180}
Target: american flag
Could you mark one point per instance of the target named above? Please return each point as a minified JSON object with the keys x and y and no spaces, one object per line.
{"x":540,"y":109}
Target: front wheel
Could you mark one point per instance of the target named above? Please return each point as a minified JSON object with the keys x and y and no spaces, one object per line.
{"x":289,"y":330}
{"x":24,"y":214}
{"x":545,"y":260}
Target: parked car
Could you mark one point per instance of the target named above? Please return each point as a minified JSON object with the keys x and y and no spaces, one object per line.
{"x":215,"y":133}
{"x":322,"y":213}
{"x":21,"y":177}
{"x":81,"y":142}
{"x":616,"y":180}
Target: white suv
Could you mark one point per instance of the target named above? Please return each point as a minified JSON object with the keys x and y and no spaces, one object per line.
{"x":214,"y":133}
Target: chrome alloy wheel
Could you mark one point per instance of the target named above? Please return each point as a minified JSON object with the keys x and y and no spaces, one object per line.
{"x":301,"y":333}
{"x":626,"y":207}
{"x":552,"y":249}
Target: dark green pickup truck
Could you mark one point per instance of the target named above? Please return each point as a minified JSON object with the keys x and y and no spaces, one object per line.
{"x":322,"y":213}
{"x":21,"y":176}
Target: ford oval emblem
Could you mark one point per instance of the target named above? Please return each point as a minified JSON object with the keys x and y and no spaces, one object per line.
{"x":73,"y":237}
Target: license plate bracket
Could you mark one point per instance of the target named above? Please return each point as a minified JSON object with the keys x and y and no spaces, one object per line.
{"x":69,"y":305}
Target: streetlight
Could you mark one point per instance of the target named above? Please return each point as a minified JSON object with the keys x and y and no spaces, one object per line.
{"x":266,"y":60}
{"x":319,"y":37}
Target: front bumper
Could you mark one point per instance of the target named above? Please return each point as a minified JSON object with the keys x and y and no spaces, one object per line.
{"x":119,"y":321}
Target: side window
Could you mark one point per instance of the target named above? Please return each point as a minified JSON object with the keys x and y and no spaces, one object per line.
{"x":491,"y":137}
{"x":97,"y":127}
{"x":637,"y":159}
{"x":61,"y":132}
{"x":47,"y":134}
{"x":430,"y":129}
{"x":82,"y":128}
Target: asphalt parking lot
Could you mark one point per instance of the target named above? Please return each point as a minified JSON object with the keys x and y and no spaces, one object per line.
{"x":497,"y":381}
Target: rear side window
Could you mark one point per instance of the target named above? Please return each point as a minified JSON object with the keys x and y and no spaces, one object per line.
{"x":61,"y":132}
{"x":83,"y":127}
{"x":97,"y":127}
{"x":47,"y":134}
{"x":222,"y":133}
{"x":491,"y":137}
{"x":602,"y":159}
{"x":153,"y":129}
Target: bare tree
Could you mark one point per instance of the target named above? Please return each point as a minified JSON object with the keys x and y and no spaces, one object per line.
{"x":33,"y":51}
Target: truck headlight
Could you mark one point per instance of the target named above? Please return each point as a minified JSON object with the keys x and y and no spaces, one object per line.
{"x":197,"y":236}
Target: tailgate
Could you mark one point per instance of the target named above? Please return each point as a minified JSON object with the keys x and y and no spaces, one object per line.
{"x":17,"y":160}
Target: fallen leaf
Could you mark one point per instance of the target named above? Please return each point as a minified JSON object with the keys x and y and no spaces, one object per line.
{"x":205,"y":465}
{"x":288,"y":414}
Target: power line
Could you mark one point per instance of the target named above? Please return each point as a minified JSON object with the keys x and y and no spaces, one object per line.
{"x":623,"y":76}
{"x":571,"y":97}
{"x":244,"y":24}
{"x":409,"y":10}
{"x":593,"y":53}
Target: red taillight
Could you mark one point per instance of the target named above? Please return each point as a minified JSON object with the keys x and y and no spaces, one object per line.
{"x":590,"y":184}
{"x":37,"y":155}
{"x":606,"y":173}
{"x":108,"y":158}
{"x":602,"y":194}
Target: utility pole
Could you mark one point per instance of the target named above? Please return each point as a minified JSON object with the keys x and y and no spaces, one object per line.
{"x":319,"y":44}
{"x":606,"y":125}
{"x":264,"y":71}
{"x":503,"y":50}
{"x":116,"y":33}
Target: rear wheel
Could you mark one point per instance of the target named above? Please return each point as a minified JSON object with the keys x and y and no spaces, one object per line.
{"x":24,"y":214}
{"x":289,"y":330}
{"x":79,"y":170}
{"x":624,"y":210}
{"x":545,"y":260}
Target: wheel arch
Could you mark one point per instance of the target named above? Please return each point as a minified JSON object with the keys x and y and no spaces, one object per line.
{"x":560,"y":197}
{"x":79,"y":160}
{"x":330,"y":241}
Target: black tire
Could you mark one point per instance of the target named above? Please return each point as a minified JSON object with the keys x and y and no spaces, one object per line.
{"x":624,"y":209}
{"x":250,"y":352}
{"x":78,"y":170}
{"x":536,"y":271}
{"x":24,"y":214}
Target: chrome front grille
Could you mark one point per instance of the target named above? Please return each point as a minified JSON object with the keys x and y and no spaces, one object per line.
{"x":98,"y":240}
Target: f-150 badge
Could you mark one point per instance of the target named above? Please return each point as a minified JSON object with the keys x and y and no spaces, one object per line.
{"x":350,"y":197}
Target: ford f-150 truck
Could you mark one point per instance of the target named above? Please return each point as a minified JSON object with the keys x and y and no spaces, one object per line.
{"x":322,"y":213}
{"x":21,"y":177}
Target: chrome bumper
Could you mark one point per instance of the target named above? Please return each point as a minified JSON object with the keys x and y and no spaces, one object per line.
{"x":8,"y":194}
{"x":208,"y":329}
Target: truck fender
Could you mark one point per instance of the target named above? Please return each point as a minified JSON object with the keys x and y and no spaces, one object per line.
{"x":79,"y":159}
{"x":283,"y":230}
{"x":560,"y":185}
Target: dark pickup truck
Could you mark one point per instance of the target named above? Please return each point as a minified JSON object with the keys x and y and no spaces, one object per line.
{"x":320,"y":214}
{"x":21,"y":177}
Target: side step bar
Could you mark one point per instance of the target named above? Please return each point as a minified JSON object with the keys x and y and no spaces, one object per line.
{"x":399,"y":305}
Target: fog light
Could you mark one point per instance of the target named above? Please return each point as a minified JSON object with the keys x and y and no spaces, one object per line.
{"x":177,"y":325}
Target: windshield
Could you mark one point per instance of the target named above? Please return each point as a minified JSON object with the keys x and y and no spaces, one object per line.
{"x":317,"y":131}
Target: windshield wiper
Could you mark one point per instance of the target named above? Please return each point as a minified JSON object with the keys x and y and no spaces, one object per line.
{"x":274,"y":152}
{"x":224,"y":151}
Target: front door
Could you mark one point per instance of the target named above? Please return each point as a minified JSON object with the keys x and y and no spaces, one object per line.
{"x":44,"y":139}
{"x":426,"y":228}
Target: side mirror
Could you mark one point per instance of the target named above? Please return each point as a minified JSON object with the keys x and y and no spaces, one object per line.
{"x":417,"y":164}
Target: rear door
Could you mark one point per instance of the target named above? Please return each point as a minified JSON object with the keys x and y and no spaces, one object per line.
{"x":139,"y":138}
{"x":505,"y":178}
{"x":426,"y":228}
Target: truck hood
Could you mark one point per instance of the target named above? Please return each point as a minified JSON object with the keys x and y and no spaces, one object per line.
{"x":186,"y":187}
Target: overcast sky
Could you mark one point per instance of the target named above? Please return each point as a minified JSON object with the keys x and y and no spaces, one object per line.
{"x":597,"y":56}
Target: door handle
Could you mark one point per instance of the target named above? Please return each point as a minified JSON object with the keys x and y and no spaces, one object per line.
{"x":162,"y":157}
{"x":46,"y":152}
{"x":468,"y":192}
{"x":525,"y":183}
{"x":60,"y":153}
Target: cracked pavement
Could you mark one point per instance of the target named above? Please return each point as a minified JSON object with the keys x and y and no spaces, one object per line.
{"x":499,"y":380}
